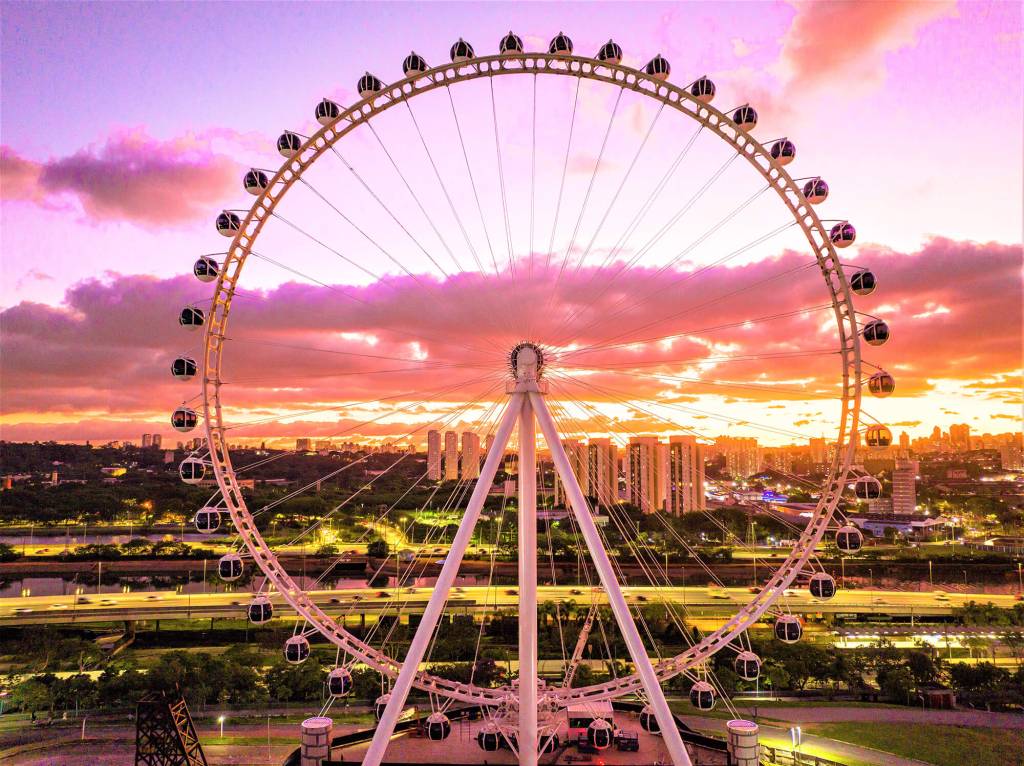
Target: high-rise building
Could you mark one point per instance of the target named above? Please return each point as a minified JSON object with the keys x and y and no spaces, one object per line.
{"x":778,"y":458}
{"x":645,"y":473}
{"x":819,"y":451}
{"x":742,"y":455}
{"x":147,"y":440}
{"x":488,"y":443}
{"x":603,"y":471}
{"x":322,"y":445}
{"x":470,"y":455}
{"x":685,"y":475}
{"x":1011,"y":457}
{"x":158,"y":441}
{"x":576,"y":452}
{"x":904,"y":486}
{"x":451,"y":456}
{"x":904,"y":441}
{"x":960,"y":437}
{"x":303,"y":445}
{"x":434,"y":455}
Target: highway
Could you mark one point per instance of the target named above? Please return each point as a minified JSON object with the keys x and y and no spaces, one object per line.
{"x":698,"y":601}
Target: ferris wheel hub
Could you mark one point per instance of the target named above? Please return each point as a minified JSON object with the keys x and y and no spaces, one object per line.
{"x":526,"y":361}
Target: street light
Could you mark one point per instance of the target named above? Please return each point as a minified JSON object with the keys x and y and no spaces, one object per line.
{"x":220,"y":720}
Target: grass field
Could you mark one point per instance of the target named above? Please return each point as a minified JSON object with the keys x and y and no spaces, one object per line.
{"x":938,"y":745}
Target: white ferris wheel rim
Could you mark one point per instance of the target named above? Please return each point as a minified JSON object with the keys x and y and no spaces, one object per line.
{"x":668,"y":94}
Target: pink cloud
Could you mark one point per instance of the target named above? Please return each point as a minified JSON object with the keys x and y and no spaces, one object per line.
{"x":104,"y":354}
{"x":846,"y":40}
{"x":130,"y":176}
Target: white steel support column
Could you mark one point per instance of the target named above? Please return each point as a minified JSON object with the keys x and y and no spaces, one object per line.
{"x":438,"y":597}
{"x":527,"y":586}
{"x":670,"y":734}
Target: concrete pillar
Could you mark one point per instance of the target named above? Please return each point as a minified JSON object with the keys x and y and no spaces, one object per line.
{"x":742,"y":743}
{"x":315,"y":745}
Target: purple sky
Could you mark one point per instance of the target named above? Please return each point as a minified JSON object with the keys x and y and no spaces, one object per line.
{"x":126,"y":127}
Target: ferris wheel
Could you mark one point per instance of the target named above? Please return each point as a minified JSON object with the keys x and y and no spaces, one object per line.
{"x":526,"y":234}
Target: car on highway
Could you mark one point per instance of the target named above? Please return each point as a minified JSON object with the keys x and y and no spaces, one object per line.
{"x":108,"y":602}
{"x":23,"y":610}
{"x":153,"y":597}
{"x":383,"y":594}
{"x":575,"y":592}
{"x":511,"y":592}
{"x":83,"y":600}
{"x":58,"y":606}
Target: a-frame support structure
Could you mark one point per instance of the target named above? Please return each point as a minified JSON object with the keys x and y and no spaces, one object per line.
{"x":528,"y":408}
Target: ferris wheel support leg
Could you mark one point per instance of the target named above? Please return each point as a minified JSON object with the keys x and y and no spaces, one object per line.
{"x":527,"y":587}
{"x":670,"y":734}
{"x":432,"y":613}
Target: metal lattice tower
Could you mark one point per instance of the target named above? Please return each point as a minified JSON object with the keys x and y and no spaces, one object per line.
{"x":165,"y":734}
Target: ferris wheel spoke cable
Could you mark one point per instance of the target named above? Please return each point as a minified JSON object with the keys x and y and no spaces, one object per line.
{"x":565,"y":168}
{"x":653,"y":278}
{"x":766,"y":387}
{"x":416,"y":199}
{"x":618,"y":191}
{"x":289,"y":416}
{"x":695,"y":432}
{"x":334,"y":288}
{"x":600,"y":418}
{"x":375,"y":478}
{"x":472,"y":183}
{"x":586,"y":199}
{"x":623,"y":398}
{"x":574,"y":354}
{"x":461,"y":486}
{"x":341,"y":352}
{"x":501,"y":183}
{"x":287,"y":453}
{"x":665,"y":228}
{"x":384,"y":251}
{"x":388,"y":210}
{"x":692,"y":551}
{"x":444,"y":190}
{"x":687,"y":276}
{"x":648,"y":203}
{"x":416,"y":405}
{"x":710,"y":302}
{"x":623,"y":526}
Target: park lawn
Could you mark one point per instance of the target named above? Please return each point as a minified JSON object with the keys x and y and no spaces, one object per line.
{"x":935,"y":744}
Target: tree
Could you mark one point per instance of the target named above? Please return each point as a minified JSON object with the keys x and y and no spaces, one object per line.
{"x":897,"y":684}
{"x":378,"y":549}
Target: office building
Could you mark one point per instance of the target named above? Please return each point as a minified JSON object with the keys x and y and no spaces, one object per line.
{"x":451,"y":456}
{"x":470,"y":455}
{"x":685,"y":476}
{"x":158,"y":441}
{"x":147,"y":440}
{"x":434,"y":455}
{"x":303,"y":445}
{"x":904,"y":486}
{"x":603,"y":471}
{"x":742,"y":455}
{"x":645,"y":473}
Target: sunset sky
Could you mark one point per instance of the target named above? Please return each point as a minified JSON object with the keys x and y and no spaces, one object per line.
{"x":126,"y":128}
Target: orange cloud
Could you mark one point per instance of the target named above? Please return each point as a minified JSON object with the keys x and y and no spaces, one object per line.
{"x":103,"y":356}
